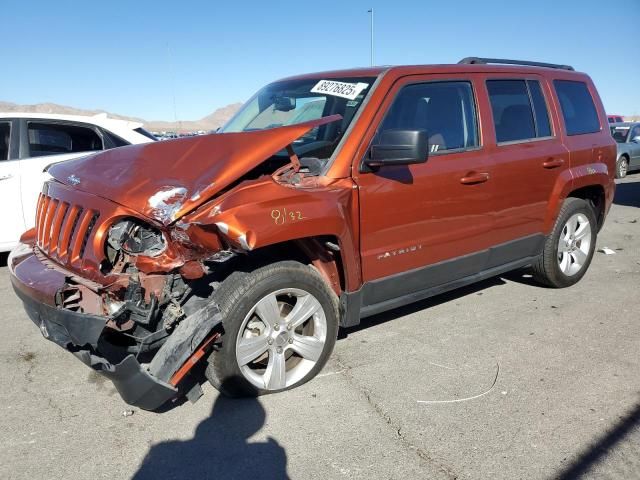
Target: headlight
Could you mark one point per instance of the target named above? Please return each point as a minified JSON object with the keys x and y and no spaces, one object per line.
{"x":135,"y":238}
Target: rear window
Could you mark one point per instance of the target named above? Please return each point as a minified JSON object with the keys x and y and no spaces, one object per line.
{"x":619,"y":134}
{"x":519,"y":110}
{"x":578,"y":110}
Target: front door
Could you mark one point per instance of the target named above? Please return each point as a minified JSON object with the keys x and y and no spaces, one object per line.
{"x":12,"y":221}
{"x":436,"y":214}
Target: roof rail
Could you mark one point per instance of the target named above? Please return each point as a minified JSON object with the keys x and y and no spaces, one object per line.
{"x":504,"y":61}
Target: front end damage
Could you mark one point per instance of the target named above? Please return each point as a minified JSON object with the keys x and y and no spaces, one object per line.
{"x":127,"y":284}
{"x":142,"y":331}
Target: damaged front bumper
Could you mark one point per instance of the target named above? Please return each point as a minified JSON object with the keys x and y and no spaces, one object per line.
{"x":147,"y":387}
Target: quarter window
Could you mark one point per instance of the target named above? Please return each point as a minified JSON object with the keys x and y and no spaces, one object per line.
{"x":519,"y":110}
{"x":5,"y":136}
{"x":577,"y":106}
{"x":445,"y":110}
{"x":540,"y":112}
{"x":57,"y":139}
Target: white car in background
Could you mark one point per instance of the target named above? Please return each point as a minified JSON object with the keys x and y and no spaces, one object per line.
{"x":31,"y":141}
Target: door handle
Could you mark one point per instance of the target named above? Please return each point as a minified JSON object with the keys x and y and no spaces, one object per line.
{"x":553,"y":163}
{"x":6,"y":177}
{"x":473,"y":178}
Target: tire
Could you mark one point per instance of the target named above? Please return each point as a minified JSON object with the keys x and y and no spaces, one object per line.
{"x":566,"y":258}
{"x":261,"y":320}
{"x":622,"y":167}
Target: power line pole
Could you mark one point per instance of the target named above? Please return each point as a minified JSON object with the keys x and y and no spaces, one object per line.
{"x":371,"y":30}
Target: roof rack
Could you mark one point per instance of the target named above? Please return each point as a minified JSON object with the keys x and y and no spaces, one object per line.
{"x":504,"y":61}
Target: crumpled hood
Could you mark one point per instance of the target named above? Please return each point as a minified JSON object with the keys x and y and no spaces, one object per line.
{"x":165,"y":180}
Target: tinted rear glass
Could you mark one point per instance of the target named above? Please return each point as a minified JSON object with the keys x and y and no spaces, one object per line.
{"x":579,"y":112}
{"x":511,"y":108}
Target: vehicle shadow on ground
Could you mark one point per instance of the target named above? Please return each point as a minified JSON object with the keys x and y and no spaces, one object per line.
{"x":628,"y":194}
{"x":3,"y":259}
{"x":220,"y":448}
{"x":604,"y":446}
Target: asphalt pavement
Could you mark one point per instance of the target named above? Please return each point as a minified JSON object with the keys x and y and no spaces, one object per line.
{"x":501,"y":380}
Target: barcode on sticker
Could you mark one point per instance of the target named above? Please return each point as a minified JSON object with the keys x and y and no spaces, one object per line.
{"x":339,"y":89}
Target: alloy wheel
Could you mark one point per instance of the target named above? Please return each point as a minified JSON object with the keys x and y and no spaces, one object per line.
{"x":281,"y":339}
{"x":574,"y":244}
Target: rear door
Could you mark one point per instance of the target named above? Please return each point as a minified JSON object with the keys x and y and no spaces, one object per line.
{"x":529,"y":157}
{"x":12,"y":223}
{"x":44,"y":142}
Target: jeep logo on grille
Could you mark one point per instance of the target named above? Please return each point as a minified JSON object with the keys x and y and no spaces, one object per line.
{"x":73,"y":180}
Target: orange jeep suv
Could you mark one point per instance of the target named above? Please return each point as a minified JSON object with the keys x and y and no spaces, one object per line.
{"x":327,"y":198}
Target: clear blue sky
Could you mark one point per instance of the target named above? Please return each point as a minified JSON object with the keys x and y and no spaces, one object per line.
{"x":113,"y":55}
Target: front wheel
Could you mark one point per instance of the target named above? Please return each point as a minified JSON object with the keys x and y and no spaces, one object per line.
{"x":569,"y":249}
{"x":280,"y":326}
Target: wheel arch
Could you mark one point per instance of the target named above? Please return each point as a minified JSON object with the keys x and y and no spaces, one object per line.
{"x":591,"y":182}
{"x":323,"y":252}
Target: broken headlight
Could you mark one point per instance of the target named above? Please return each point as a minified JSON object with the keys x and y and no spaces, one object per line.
{"x":135,"y":238}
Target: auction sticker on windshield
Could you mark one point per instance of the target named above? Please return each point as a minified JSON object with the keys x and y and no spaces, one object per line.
{"x":339,"y":89}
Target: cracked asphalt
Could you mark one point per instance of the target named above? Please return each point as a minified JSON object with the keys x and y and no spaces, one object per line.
{"x":501,"y":380}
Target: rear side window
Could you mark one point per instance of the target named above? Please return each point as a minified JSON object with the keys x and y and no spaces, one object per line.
{"x":445,"y":110}
{"x":5,"y":140}
{"x":577,"y":106}
{"x":57,"y":139}
{"x":519,"y":110}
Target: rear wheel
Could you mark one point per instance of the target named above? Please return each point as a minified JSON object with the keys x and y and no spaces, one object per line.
{"x":622,"y":167}
{"x":280,"y":326}
{"x":569,"y":249}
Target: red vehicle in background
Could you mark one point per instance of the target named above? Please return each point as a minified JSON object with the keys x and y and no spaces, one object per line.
{"x":615,"y":118}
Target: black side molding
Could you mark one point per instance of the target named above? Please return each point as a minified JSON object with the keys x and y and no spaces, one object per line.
{"x":506,"y":61}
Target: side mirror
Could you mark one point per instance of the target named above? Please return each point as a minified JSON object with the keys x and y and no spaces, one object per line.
{"x":399,"y":147}
{"x":636,"y":139}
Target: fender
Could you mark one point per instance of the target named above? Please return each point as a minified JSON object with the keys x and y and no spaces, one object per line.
{"x":288,"y":213}
{"x":573,"y":179}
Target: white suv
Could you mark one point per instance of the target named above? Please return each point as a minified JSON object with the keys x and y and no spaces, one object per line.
{"x":31,"y":141}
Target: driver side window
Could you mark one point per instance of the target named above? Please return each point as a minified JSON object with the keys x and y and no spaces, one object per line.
{"x":445,"y":110}
{"x":635,"y":132}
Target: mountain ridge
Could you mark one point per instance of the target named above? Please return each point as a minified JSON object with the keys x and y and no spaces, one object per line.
{"x":212,"y":121}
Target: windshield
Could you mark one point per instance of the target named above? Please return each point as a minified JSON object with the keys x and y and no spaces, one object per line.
{"x":297,"y":101}
{"x":619,"y":134}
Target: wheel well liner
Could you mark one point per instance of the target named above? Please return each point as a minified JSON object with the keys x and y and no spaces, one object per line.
{"x":310,"y":250}
{"x":596,"y":196}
